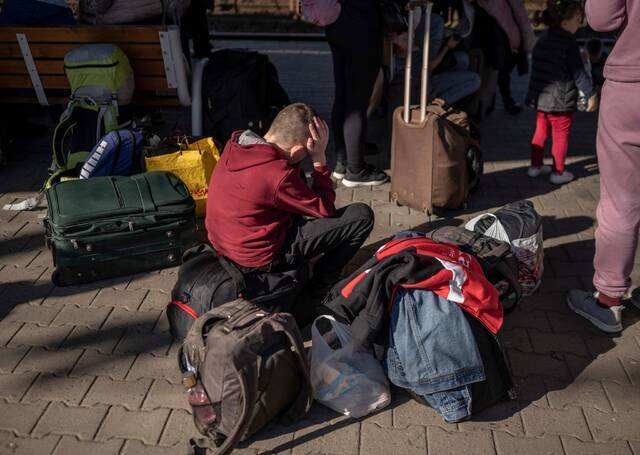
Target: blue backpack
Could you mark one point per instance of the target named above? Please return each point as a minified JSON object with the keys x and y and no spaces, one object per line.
{"x":117,"y":153}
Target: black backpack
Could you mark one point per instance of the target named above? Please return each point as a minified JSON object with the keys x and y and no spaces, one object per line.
{"x":241,"y":91}
{"x":495,"y":257}
{"x":250,"y":366}
{"x":206,"y":280}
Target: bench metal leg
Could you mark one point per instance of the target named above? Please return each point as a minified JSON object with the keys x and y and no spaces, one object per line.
{"x":198,"y":66}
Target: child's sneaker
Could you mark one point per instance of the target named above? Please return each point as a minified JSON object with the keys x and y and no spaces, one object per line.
{"x":586,"y":305}
{"x":561,"y":179}
{"x":534,"y":172}
{"x":339,"y":171}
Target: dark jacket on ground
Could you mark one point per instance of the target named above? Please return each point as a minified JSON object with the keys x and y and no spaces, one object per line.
{"x":557,"y":73}
{"x":363,"y":299}
{"x":254,"y":195}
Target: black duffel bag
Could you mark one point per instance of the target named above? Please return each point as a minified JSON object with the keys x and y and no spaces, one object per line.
{"x":206,"y":281}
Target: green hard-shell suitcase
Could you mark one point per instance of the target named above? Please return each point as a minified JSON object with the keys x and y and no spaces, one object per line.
{"x":105,"y":227}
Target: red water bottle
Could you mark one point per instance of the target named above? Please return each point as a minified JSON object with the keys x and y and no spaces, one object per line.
{"x":199,"y":401}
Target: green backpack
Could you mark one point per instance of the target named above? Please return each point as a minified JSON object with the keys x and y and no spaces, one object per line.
{"x":101,"y":79}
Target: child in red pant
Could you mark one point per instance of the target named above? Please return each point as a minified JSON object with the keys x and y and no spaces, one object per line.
{"x":556,"y":76}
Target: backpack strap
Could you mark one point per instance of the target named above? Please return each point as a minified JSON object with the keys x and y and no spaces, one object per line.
{"x":284,"y":322}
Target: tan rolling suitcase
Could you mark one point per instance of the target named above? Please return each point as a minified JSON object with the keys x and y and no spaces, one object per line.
{"x":429,"y":145}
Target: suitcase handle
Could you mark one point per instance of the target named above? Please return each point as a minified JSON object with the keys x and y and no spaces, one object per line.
{"x":424,"y":86}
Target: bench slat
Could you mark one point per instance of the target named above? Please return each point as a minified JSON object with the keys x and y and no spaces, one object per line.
{"x":56,"y":67}
{"x":59,"y":50}
{"x":60,"y":82}
{"x":85,"y":34}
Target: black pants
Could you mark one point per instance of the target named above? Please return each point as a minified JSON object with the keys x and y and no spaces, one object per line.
{"x":335,"y":239}
{"x":195,"y":26}
{"x":354,"y":71}
{"x":504,"y":80}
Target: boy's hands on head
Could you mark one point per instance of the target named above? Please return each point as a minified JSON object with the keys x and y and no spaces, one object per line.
{"x":593,"y":103}
{"x":317,"y":142}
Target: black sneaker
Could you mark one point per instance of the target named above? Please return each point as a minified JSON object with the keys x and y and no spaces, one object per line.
{"x":513,"y":109}
{"x":369,"y":176}
{"x":339,"y":171}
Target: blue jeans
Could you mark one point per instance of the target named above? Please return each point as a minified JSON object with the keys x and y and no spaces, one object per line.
{"x":33,"y":12}
{"x":453,"y":86}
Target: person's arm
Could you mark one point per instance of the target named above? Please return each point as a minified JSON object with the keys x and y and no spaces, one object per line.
{"x":450,"y":45}
{"x":606,"y":15}
{"x":293,"y":195}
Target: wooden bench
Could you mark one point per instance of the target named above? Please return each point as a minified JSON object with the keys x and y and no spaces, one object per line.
{"x":32,"y":65}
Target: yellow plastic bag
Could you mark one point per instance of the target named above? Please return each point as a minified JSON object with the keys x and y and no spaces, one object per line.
{"x":193,"y":164}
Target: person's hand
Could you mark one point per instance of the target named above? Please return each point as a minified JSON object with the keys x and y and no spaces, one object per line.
{"x":452,"y":42}
{"x":593,"y":103}
{"x":317,"y":143}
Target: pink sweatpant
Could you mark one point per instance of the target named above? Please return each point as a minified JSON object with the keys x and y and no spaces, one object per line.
{"x":618,"y":147}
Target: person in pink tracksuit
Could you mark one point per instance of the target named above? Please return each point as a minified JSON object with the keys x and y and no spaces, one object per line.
{"x":618,"y":147}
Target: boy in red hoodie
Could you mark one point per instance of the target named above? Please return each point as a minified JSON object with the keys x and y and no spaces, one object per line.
{"x":258,"y":199}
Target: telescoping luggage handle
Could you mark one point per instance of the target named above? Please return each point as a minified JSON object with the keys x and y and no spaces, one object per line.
{"x":425,"y":61}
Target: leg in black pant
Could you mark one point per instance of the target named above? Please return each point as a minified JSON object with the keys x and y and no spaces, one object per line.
{"x":335,"y":239}
{"x":337,"y":113}
{"x":195,"y":25}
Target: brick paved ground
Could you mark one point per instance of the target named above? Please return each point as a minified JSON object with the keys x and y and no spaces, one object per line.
{"x":92,"y":369}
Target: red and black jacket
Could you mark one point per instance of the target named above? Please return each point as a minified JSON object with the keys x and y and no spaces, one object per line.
{"x":363,"y":299}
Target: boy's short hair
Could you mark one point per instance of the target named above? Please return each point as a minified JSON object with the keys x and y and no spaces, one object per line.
{"x":594,"y":45}
{"x":291,"y":125}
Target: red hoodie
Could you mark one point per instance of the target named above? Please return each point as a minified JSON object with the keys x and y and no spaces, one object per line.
{"x":254,"y":194}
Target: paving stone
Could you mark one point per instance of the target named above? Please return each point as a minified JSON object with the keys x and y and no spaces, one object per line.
{"x":632,"y":368}
{"x":110,"y":365}
{"x":80,"y":296}
{"x":604,"y":368}
{"x":571,"y":322}
{"x":144,"y":426}
{"x":580,"y":393}
{"x":88,"y":317}
{"x":142,"y":321}
{"x":574,"y":446}
{"x":20,"y":417}
{"x":410,"y":412}
{"x":103,"y":341}
{"x":35,"y":335}
{"x":151,"y":281}
{"x":623,"y":398}
{"x":454,"y":443}
{"x":528,"y":320}
{"x":46,"y":361}
{"x":125,"y":299}
{"x":179,"y":428}
{"x":134,"y":342}
{"x":621,"y":425}
{"x":80,"y":422}
{"x":58,"y":388}
{"x":13,"y":386}
{"x":129,"y":394}
{"x":155,"y":300}
{"x":27,"y":292}
{"x":11,"y":444}
{"x":35,"y":314}
{"x":163,"y":394}
{"x":508,"y":444}
{"x":138,"y":448}
{"x":624,"y":346}
{"x":69,"y":445}
{"x":524,"y":364}
{"x":274,"y":438}
{"x":393,"y":441}
{"x":7,"y":331}
{"x":569,"y":421}
{"x":150,"y":366}
{"x":10,"y":357}
{"x":635,"y":447}
{"x":502,"y":416}
{"x":337,"y":437}
{"x":558,"y":342}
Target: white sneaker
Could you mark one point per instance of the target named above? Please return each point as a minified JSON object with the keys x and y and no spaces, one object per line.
{"x":534,"y":172}
{"x":586,"y":305}
{"x":561,"y":179}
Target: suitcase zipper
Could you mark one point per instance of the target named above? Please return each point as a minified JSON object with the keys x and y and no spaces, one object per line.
{"x":184,"y":307}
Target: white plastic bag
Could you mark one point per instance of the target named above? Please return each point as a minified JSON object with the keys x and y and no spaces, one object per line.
{"x":345,"y":378}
